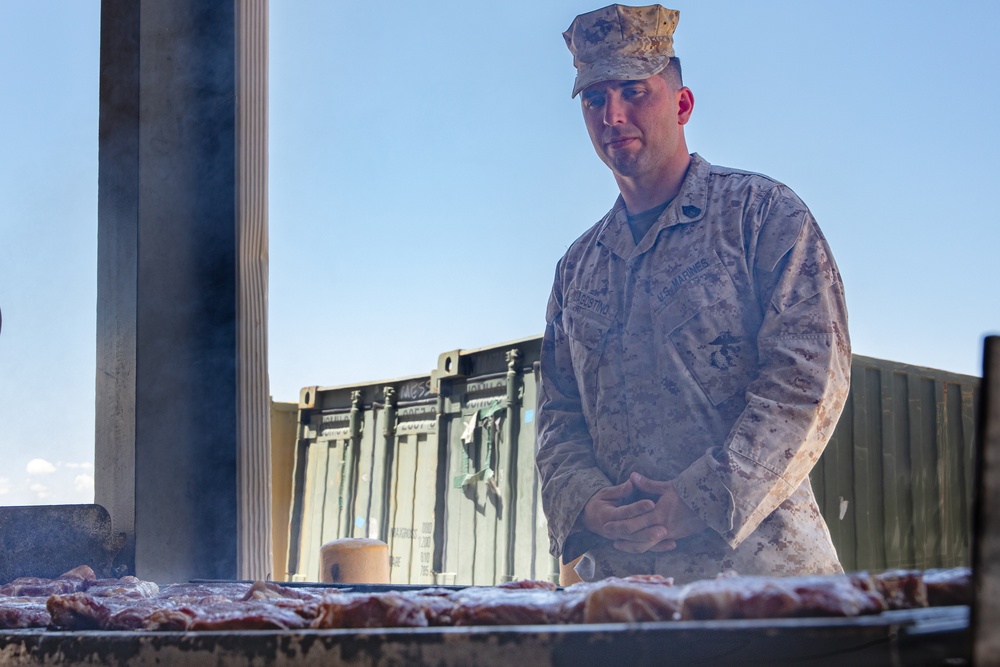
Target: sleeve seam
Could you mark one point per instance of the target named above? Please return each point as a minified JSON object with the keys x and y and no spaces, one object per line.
{"x":802,"y":336}
{"x":763,"y":466}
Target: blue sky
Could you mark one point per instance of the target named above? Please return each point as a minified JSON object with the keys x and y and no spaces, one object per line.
{"x":428,"y":168}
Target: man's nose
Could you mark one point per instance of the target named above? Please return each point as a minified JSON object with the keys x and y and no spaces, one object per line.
{"x":614,"y":111}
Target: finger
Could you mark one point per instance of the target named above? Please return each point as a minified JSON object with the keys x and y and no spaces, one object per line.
{"x":651,"y":532}
{"x":628,"y":519}
{"x":632,"y":510}
{"x":633,"y":547}
{"x":618,"y":491}
{"x":648,"y":485}
{"x":665,"y":545}
{"x":646,"y":544}
{"x":627,"y":529}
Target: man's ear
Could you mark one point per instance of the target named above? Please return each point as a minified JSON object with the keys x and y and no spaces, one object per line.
{"x":685,"y":105}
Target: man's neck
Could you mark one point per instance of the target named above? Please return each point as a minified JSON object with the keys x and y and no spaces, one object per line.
{"x":641,"y":194}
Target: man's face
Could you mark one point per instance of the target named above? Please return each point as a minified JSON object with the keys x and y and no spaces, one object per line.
{"x":637,"y":126}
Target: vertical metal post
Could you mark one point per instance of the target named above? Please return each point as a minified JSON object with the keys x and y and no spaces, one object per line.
{"x":513,"y":427}
{"x":182,"y":436}
{"x":253,"y":414}
{"x":389,"y":433}
{"x":354,"y":442}
{"x":441,"y":485}
{"x":117,"y":268}
{"x":986,"y":552}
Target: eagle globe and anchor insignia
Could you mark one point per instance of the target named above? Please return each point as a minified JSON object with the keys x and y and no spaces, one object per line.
{"x":726,"y":352}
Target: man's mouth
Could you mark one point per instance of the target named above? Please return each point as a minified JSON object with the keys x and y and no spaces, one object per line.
{"x":620,"y":142}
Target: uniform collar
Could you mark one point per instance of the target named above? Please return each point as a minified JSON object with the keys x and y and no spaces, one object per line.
{"x":688,"y":206}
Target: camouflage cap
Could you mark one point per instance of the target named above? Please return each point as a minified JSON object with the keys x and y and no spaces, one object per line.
{"x":621,"y":43}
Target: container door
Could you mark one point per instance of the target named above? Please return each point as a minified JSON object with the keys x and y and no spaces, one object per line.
{"x":531,"y":546}
{"x":412,"y":496}
{"x":478,"y":509}
{"x":371,"y":474}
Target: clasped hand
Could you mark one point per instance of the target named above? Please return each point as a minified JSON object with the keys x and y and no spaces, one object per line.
{"x":643,"y":525}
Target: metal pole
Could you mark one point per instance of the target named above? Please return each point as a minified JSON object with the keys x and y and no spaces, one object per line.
{"x":986,"y":551}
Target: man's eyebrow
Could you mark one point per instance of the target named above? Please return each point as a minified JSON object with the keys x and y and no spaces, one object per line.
{"x":625,"y":83}
{"x":616,"y":85}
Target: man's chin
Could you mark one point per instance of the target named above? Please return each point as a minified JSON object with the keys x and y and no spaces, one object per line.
{"x":625,"y":166}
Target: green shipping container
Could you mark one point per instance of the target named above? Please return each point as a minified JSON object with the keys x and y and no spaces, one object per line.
{"x":367,"y":465}
{"x":441,"y":467}
{"x":895,"y":483}
{"x":495,"y":530}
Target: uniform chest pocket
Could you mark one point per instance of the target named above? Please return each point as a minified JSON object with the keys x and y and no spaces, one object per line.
{"x":704,"y":319}
{"x":587,"y":333}
{"x":584,"y":326}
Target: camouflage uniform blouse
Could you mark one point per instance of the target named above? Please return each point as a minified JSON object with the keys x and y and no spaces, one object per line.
{"x":715,"y":354}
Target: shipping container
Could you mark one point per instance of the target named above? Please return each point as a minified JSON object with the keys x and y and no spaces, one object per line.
{"x":495,"y":530}
{"x":895,"y":483}
{"x":441,"y":467}
{"x":367,"y":465}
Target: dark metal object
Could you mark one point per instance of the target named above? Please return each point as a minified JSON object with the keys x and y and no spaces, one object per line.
{"x":343,"y":588}
{"x":986,"y":553}
{"x":936,"y":636}
{"x":48,"y":540}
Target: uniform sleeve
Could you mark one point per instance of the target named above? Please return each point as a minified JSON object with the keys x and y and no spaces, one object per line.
{"x":794,"y":402}
{"x":565,"y":458}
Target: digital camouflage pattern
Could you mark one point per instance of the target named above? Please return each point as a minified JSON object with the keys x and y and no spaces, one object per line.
{"x":621,"y":43}
{"x":715,"y":354}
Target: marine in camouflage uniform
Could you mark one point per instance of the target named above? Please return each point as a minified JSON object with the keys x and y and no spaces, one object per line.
{"x":711,"y":355}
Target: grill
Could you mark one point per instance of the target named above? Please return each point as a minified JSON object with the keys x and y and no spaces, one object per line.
{"x":909,"y":637}
{"x":929,"y":636}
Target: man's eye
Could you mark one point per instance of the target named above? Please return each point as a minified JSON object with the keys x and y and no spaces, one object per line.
{"x":594,"y":102}
{"x":631,"y":93}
